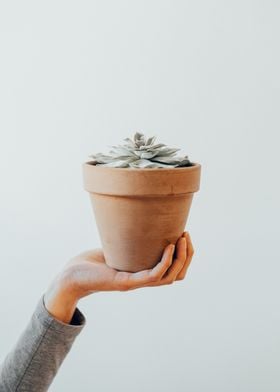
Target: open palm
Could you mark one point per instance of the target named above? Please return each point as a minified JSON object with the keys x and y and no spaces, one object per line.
{"x":88,"y":271}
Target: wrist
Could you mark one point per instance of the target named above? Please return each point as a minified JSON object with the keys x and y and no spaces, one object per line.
{"x":61,"y":299}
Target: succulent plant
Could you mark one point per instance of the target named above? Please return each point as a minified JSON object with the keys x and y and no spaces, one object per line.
{"x":141,"y":152}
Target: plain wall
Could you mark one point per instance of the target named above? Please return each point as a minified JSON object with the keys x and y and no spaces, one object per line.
{"x":78,"y":76}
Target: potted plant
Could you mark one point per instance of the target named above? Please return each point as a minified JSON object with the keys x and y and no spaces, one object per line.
{"x":141,"y":193}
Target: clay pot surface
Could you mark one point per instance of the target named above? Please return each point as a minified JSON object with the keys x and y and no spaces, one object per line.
{"x":139,"y":211}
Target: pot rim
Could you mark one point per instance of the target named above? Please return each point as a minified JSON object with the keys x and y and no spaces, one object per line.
{"x":120,"y":181}
{"x":195,"y":166}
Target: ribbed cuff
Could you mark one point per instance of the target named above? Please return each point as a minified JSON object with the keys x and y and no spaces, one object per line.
{"x":72,"y":329}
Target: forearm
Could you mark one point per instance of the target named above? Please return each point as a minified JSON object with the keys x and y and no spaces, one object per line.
{"x":34,"y":361}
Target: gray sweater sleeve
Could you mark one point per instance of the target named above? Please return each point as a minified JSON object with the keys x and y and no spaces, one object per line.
{"x":34,"y":361}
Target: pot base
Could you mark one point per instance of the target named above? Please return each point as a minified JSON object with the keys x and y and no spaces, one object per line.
{"x":135,"y":234}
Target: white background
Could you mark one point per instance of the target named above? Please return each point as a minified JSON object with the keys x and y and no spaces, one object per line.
{"x":77,"y":76}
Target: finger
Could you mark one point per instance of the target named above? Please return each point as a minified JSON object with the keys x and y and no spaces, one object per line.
{"x":190,"y":252}
{"x":176,"y":267}
{"x":178,"y":262}
{"x":181,"y":250}
{"x":162,"y":267}
{"x":141,"y":278}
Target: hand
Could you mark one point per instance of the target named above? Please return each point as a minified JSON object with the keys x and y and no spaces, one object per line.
{"x":88,"y":273}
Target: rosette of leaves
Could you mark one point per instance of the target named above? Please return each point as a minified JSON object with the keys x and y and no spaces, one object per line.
{"x":141,"y":152}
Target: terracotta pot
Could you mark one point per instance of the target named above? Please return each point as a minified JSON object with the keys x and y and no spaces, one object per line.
{"x":139,"y":211}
